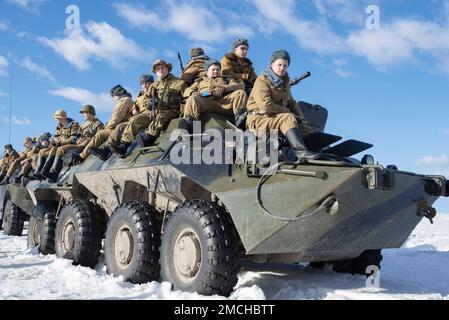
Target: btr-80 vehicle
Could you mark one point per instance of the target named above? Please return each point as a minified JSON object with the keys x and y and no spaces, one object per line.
{"x":191,"y":224}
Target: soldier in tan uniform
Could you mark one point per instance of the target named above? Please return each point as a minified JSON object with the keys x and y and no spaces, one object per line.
{"x":120,"y":114}
{"x":28,"y":159}
{"x":237,"y":66}
{"x":87,"y":131}
{"x":214,"y":93}
{"x":18,"y":163}
{"x":271,"y":106}
{"x":195,"y":67}
{"x":140,"y":120}
{"x":67,"y":132}
{"x":10,"y":156}
{"x":168,"y":91}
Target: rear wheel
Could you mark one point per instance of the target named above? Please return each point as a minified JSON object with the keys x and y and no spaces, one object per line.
{"x":200,"y":249}
{"x":41,"y":229}
{"x":79,"y":233}
{"x":133,"y":241}
{"x":13,"y":219}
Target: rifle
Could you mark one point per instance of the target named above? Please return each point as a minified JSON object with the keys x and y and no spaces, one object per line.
{"x":180,"y":62}
{"x":295,"y":81}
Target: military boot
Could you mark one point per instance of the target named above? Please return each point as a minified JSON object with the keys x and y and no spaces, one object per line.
{"x":240,"y":119}
{"x":5,"y":181}
{"x":121,"y":148}
{"x":102,"y":153}
{"x":39,"y":167}
{"x":55,"y":170}
{"x":76,"y":160}
{"x":296,"y":141}
{"x":145,"y":139}
{"x":48,"y":165}
{"x":18,"y":179}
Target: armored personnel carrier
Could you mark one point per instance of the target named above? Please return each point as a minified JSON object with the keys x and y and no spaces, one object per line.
{"x":191,"y":224}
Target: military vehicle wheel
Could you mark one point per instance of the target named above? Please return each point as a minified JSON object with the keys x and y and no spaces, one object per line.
{"x":13,"y":219}
{"x":200,"y":249}
{"x":133,"y":238}
{"x":41,"y":229}
{"x":78,"y":233}
{"x":360,"y":264}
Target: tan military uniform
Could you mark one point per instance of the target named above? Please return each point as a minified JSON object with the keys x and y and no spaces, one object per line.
{"x":16,"y":164}
{"x":86,"y":133}
{"x":270,"y":107}
{"x":194,"y":70}
{"x":169,"y":93}
{"x":8,"y":160}
{"x":233,"y":100}
{"x":238,"y":70}
{"x":64,"y":136}
{"x":120,"y":114}
{"x":139,"y":121}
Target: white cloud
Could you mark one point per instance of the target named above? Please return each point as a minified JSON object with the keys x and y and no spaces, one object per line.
{"x":29,"y":5}
{"x":345,"y":11}
{"x":3,"y":94}
{"x":442,"y":160}
{"x":100,"y":101}
{"x":3,"y":66}
{"x":16,"y":121}
{"x":190,"y":18}
{"x":32,"y":67}
{"x":313,"y":35}
{"x":343,"y":73}
{"x":4,"y":26}
{"x":97,"y":41}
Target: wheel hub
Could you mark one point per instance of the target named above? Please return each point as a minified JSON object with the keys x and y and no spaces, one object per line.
{"x":124,"y":246}
{"x":37,"y":232}
{"x":187,"y":254}
{"x":68,"y":236}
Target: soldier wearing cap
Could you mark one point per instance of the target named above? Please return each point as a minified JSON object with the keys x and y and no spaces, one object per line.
{"x":237,"y":66}
{"x":195,"y":67}
{"x":120,"y":114}
{"x":10,"y":156}
{"x":217,"y":94}
{"x":125,"y":133}
{"x":87,"y":131}
{"x":168,"y":91}
{"x":272,"y":107}
{"x":67,"y":131}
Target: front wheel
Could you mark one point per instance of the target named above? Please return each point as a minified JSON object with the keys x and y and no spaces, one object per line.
{"x":41,"y":229}
{"x":200,"y":249}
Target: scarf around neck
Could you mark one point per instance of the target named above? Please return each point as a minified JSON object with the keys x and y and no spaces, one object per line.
{"x":273,"y":77}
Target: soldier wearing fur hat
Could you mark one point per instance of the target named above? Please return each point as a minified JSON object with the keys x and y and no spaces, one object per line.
{"x":125,"y":133}
{"x":237,"y":66}
{"x":23,"y":162}
{"x":217,"y":94}
{"x":272,"y":107}
{"x":10,"y":156}
{"x":195,"y":67}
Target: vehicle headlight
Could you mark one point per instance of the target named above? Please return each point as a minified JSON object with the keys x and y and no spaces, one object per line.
{"x":368,"y":160}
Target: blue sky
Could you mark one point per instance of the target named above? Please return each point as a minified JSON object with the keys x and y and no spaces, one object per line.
{"x":388,"y":86}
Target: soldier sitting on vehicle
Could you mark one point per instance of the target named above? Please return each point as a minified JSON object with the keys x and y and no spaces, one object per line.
{"x":195,"y":67}
{"x":217,"y":94}
{"x":87,"y":131}
{"x":21,"y":161}
{"x":271,"y":106}
{"x":237,"y":66}
{"x":67,"y":132}
{"x":120,"y":114}
{"x":125,"y":133}
{"x":10,"y":156}
{"x":168,"y":91}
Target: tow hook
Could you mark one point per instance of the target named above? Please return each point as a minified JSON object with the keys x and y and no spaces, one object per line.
{"x":426,"y":211}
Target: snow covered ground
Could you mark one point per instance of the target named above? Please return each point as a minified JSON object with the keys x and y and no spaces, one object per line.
{"x":420,"y":270}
